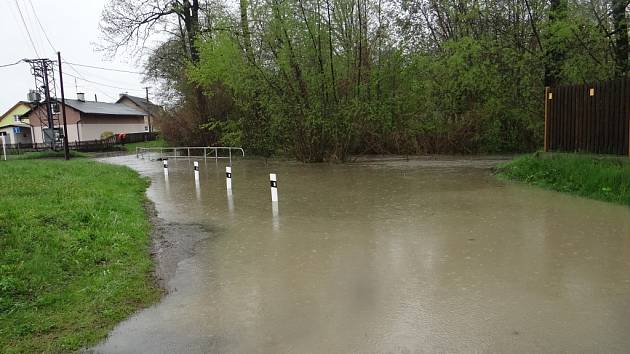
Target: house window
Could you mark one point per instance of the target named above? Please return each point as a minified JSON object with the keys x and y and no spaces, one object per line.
{"x":3,"y":133}
{"x":146,"y":128}
{"x":16,"y":118}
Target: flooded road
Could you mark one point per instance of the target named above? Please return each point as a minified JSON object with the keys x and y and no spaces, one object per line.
{"x":389,"y":257}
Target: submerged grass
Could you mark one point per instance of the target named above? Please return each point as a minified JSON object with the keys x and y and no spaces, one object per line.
{"x":604,"y":178}
{"x":74,"y":253}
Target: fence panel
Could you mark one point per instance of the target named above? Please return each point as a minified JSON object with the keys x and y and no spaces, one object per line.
{"x":589,"y":118}
{"x":139,"y":137}
{"x":107,"y":144}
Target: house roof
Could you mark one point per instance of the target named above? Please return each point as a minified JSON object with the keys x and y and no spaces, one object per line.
{"x":91,"y":107}
{"x":28,"y":104}
{"x":143,"y":103}
{"x":9,"y":122}
{"x":20,"y":125}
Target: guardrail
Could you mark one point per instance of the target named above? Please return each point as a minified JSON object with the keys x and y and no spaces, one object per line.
{"x":205,"y":152}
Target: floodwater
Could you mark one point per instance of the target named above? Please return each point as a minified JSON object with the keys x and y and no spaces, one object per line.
{"x":386,"y":257}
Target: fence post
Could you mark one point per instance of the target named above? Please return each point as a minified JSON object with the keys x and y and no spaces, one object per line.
{"x":4,"y":148}
{"x":546,"y":143}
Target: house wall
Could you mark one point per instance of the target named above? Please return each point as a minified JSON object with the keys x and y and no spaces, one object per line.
{"x":8,"y":116}
{"x":39,"y":114}
{"x":91,"y":127}
{"x":129,"y":103}
{"x":24,"y":137}
{"x":83,"y":127}
{"x":37,"y":134}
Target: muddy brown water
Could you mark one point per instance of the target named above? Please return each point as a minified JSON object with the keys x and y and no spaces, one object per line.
{"x":386,"y":257}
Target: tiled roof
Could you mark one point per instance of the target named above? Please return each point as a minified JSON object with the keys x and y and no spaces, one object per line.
{"x":141,"y":102}
{"x":104,"y":108}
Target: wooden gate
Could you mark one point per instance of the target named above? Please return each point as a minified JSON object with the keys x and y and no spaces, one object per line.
{"x":590,"y":118}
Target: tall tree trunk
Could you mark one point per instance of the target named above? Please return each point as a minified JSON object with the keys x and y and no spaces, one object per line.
{"x":191,"y":22}
{"x":247,"y":40}
{"x":554,"y":55}
{"x":331,"y":52}
{"x":620,"y":24}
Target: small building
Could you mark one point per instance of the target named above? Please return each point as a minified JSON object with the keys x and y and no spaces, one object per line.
{"x":88,"y":120}
{"x":14,"y":127}
{"x":153,"y":111}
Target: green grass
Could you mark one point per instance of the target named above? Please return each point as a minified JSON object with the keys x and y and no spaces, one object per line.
{"x":604,"y":178}
{"x":46,"y":155}
{"x":74,"y":253}
{"x":148,"y":144}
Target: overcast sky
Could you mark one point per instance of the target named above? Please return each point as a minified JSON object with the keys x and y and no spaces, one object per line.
{"x":72,"y":27}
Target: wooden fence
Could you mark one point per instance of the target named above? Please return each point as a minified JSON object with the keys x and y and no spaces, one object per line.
{"x":138,"y":137}
{"x":590,"y":118}
{"x":107,"y":144}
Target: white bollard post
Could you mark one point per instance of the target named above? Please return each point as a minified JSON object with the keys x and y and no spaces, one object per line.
{"x":165,"y":163}
{"x":228,"y":177}
{"x":196,"y":169}
{"x":4,"y":148}
{"x":274,"y":187}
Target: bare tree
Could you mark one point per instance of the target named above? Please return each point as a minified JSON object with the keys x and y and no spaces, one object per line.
{"x":130,"y":23}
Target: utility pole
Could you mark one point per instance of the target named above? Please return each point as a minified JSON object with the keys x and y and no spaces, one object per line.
{"x":4,"y":147}
{"x":49,"y":116}
{"x":66,"y":150}
{"x":148,"y":111}
{"x":43,"y":71}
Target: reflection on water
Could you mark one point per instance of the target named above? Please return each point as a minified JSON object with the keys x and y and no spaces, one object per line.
{"x":167,"y":184}
{"x":385,"y":258}
{"x":275,"y":215}
{"x":197,"y":186}
{"x":230,"y":202}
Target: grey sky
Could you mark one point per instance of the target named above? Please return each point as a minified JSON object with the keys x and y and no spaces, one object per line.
{"x":72,"y":27}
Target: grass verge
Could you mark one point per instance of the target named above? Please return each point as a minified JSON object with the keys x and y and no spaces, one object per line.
{"x":604,"y":178}
{"x":46,"y":155}
{"x":74,"y":253}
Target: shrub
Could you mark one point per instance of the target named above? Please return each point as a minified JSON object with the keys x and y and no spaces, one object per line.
{"x":105,"y":135}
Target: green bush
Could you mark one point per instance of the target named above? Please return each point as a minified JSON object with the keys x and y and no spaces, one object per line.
{"x":105,"y":135}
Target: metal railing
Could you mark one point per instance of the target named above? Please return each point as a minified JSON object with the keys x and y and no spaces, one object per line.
{"x":202,"y":152}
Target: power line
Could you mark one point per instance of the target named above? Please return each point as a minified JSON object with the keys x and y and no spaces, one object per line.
{"x":46,"y":35}
{"x":102,"y":68}
{"x":28,"y":16}
{"x":40,"y":25}
{"x":7,"y":65}
{"x":80,"y":77}
{"x":100,"y":83}
{"x":26,"y":27}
